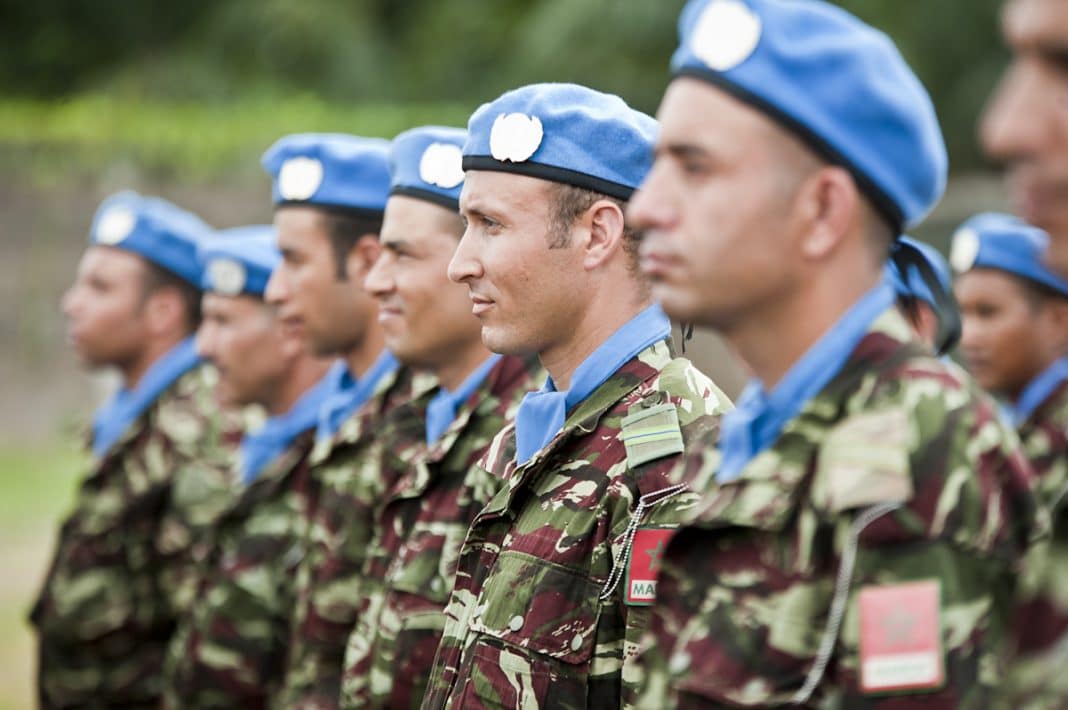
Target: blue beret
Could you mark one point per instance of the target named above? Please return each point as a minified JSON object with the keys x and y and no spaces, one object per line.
{"x":917,"y":270}
{"x":1006,"y":243}
{"x":564,"y":133}
{"x":427,"y":163}
{"x":839,"y":85}
{"x":330,"y":170}
{"x":154,"y":229}
{"x":239,"y":260}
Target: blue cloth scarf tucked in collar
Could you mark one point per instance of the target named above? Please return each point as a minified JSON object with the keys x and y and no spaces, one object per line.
{"x":1038,"y":391}
{"x":346,"y":394}
{"x":759,"y":416}
{"x":542,"y":414}
{"x":112,"y":419}
{"x":441,"y":411}
{"x":264,"y":445}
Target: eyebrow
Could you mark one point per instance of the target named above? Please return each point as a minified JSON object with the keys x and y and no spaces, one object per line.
{"x":396,"y":245}
{"x":682,"y":151}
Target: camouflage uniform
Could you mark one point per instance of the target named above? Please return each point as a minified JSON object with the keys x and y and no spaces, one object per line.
{"x":537,"y":617}
{"x":125,"y":559}
{"x":1041,"y":624}
{"x":229,"y":651}
{"x":411,"y":564}
{"x":900,"y":460}
{"x":352,"y":483}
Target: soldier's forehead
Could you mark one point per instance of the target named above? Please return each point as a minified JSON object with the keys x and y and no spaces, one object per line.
{"x":1036,"y":24}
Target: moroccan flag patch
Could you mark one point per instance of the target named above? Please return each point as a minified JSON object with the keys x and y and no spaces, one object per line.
{"x":644,"y":564}
{"x":901,"y":637}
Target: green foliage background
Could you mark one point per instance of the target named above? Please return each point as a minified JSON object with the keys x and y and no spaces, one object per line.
{"x":201,"y":81}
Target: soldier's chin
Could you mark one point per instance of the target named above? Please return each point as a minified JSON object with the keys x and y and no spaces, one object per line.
{"x":504,"y":341}
{"x":677,"y":303}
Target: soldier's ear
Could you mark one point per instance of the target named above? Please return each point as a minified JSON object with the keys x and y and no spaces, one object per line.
{"x":602,"y":233}
{"x":164,"y":311}
{"x":361,"y":257}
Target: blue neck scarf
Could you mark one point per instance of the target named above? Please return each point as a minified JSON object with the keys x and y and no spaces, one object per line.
{"x":345,"y":394}
{"x":263,"y":446}
{"x":441,"y":411}
{"x":542,"y":414}
{"x":759,"y":416}
{"x":115,"y":417}
{"x":1039,"y":390}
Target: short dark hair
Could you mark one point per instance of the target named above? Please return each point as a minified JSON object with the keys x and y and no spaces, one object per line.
{"x":568,"y":203}
{"x":156,"y":278}
{"x":344,"y":229}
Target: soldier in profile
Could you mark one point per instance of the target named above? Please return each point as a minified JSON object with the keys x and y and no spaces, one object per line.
{"x":125,"y":562}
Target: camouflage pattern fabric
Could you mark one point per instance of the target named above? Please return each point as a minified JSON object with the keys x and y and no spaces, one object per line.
{"x":418,"y":533}
{"x":537,"y":616}
{"x":124,"y":562}
{"x":352,"y":485}
{"x":900,"y":460}
{"x":229,"y":650}
{"x":1040,"y":628}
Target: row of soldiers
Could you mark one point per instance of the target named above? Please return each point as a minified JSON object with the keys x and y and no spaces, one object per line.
{"x":482,"y":476}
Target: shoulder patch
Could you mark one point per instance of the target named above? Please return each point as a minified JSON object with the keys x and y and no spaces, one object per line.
{"x":646,"y":552}
{"x":901,"y":637}
{"x":651,"y":431}
{"x":864,"y":461}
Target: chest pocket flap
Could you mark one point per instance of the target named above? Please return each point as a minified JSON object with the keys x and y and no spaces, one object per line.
{"x":540,"y":606}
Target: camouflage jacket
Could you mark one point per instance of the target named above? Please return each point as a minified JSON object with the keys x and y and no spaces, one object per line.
{"x":538,"y":616}
{"x":352,"y":484}
{"x":411,"y":564}
{"x":229,"y":650}
{"x":1041,"y":624}
{"x":125,"y":557}
{"x":896,"y":501}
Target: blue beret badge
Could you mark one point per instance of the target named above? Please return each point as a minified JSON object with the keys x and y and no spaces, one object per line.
{"x":727,"y":33}
{"x":442,"y":165}
{"x":299,"y":178}
{"x":965,"y":249}
{"x":228,"y":276}
{"x":515,"y":137}
{"x":115,"y":225}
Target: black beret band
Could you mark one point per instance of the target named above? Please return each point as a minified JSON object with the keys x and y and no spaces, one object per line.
{"x":551,"y":173}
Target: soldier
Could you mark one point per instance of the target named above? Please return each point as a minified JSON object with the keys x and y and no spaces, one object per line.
{"x":230,"y":648}
{"x":553,"y":578}
{"x":1016,"y":345}
{"x":921,"y":280}
{"x":1025,"y":125}
{"x":330,"y":192}
{"x":865,"y":509}
{"x":125,"y":554}
{"x":408,"y":574}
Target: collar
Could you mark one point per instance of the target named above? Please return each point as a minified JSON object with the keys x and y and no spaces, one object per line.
{"x":126,"y":405}
{"x":760,"y":416}
{"x":1039,"y":390}
{"x":264,"y":445}
{"x":441,"y":411}
{"x":347,"y":394}
{"x":542,"y":414}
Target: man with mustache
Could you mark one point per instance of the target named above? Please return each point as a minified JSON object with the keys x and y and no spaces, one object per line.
{"x":424,"y":518}
{"x":865,"y":510}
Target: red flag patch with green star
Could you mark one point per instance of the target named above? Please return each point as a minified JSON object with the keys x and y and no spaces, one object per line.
{"x":645,"y":556}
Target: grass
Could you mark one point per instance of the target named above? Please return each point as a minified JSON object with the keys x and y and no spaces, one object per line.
{"x":37,"y":484}
{"x":52,"y":140}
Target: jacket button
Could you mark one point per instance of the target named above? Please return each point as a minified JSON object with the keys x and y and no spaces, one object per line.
{"x":516,"y":623}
